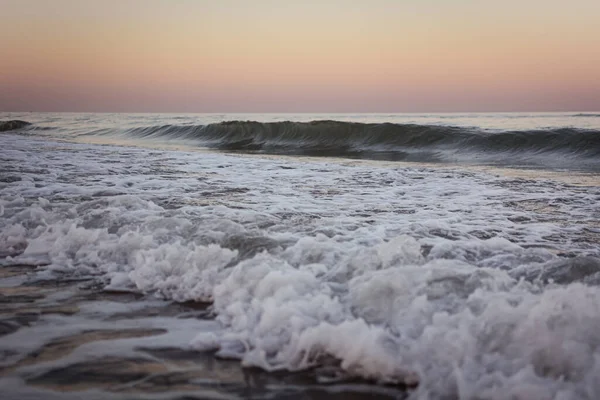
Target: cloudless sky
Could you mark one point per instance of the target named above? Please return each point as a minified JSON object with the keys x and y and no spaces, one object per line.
{"x":299,"y":56}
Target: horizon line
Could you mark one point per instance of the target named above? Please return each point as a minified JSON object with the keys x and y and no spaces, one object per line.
{"x":304,"y":112}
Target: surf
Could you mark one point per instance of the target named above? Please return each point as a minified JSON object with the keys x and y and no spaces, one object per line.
{"x":567,"y":148}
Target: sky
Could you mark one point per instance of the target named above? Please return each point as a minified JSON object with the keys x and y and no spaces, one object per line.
{"x":299,"y":56}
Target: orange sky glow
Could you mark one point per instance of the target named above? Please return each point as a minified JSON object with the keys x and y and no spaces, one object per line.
{"x":299,"y":56}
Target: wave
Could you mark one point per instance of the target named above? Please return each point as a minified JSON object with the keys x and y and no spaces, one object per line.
{"x":251,"y":135}
{"x":410,"y":142}
{"x":571,"y":148}
{"x":12,"y":125}
{"x":587,"y":115}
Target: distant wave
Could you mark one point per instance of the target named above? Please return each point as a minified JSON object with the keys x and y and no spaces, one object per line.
{"x":597,"y":115}
{"x":12,"y":125}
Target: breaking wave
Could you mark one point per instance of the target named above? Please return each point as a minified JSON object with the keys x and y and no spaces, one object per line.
{"x":567,"y":147}
{"x":352,"y":136}
{"x":12,"y":125}
{"x":389,"y":141}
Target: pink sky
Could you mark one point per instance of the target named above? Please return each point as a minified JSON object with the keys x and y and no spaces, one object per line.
{"x":299,"y":56}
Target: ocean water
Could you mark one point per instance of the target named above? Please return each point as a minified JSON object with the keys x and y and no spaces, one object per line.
{"x":448,"y":256}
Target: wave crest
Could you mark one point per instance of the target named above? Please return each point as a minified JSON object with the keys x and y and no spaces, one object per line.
{"x":352,"y":138}
{"x":13,"y":125}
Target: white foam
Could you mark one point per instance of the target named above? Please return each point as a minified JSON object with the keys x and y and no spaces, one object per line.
{"x":180,"y":272}
{"x":378,"y":267}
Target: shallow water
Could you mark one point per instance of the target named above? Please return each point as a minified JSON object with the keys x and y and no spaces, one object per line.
{"x":163,"y":270}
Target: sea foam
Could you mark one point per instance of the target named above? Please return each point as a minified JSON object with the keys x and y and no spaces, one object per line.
{"x":410,"y":276}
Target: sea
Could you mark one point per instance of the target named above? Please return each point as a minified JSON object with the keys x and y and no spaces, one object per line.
{"x":300,"y":256}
